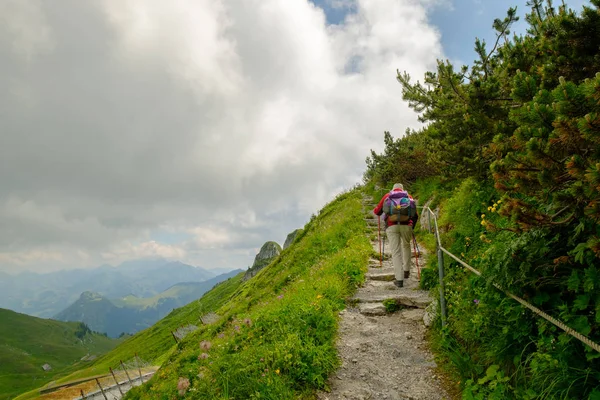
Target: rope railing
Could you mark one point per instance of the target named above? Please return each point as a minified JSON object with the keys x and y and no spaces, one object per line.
{"x":441,"y":250}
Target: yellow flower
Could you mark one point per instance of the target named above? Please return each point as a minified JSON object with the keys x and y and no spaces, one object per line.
{"x":489,"y":208}
{"x":482,"y":222}
{"x":494,"y":209}
{"x":319,"y":296}
{"x":482,"y":215}
{"x":499,"y":201}
{"x":277,"y":371}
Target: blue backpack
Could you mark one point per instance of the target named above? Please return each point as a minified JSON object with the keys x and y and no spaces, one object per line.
{"x":399,"y":207}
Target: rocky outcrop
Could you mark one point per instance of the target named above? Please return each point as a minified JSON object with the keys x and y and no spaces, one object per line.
{"x":267,"y":253}
{"x":290,"y":238}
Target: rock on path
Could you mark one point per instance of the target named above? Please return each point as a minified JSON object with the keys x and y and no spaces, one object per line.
{"x":385,"y":356}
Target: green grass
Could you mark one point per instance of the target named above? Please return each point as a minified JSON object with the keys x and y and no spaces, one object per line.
{"x":277,"y":335}
{"x":154,"y":344}
{"x":30,"y":342}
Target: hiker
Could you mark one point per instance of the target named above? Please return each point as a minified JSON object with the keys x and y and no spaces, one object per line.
{"x":400,"y":216}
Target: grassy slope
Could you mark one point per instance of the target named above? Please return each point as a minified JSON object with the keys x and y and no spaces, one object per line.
{"x":30,"y":342}
{"x":291,"y":308}
{"x":277,"y":335}
{"x":154,"y":344}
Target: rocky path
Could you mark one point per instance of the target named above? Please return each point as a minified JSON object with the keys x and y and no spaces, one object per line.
{"x":385,"y":355}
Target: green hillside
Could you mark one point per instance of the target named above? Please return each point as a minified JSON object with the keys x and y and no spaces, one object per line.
{"x":176,"y":296}
{"x":276,"y":332}
{"x":276,"y":338}
{"x":154,"y":344}
{"x":28,"y":343}
{"x":132,"y":314}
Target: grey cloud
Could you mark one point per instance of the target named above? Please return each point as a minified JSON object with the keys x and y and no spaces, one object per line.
{"x":111,"y":129}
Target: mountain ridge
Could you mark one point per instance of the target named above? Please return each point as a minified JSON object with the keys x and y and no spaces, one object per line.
{"x":130,"y":313}
{"x":45,"y":295}
{"x":29,"y":343}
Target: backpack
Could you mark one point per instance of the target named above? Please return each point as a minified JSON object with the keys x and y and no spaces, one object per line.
{"x":399,"y":206}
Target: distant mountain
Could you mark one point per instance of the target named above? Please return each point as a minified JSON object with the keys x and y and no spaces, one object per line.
{"x":131,"y":313}
{"x":27,"y":344}
{"x":45,"y":295}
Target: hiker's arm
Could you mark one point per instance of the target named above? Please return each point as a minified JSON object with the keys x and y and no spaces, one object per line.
{"x":379,"y":209}
{"x":415,"y":219}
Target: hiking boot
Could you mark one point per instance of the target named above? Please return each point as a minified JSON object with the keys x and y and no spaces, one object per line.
{"x":399,"y":283}
{"x":406,"y":274}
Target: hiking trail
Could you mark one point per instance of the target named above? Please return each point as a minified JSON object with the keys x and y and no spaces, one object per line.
{"x":383,"y":355}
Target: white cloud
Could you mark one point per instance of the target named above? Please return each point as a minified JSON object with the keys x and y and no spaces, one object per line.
{"x":150,"y":249}
{"x":231,"y":121}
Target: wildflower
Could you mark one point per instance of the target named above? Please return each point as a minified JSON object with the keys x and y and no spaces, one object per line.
{"x":203,"y":356}
{"x":221,"y":335}
{"x":482,"y":216}
{"x":280,"y":297}
{"x":319,"y":296}
{"x":490,"y":208}
{"x":499,"y":201}
{"x":237,"y":328}
{"x":277,"y":371}
{"x":205,"y":345}
{"x":262,"y":359}
{"x":263,"y":374}
{"x":182,"y":385}
{"x":248,"y":321}
{"x":476,"y":301}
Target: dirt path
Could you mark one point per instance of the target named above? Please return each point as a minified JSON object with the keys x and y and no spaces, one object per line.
{"x":385,"y":356}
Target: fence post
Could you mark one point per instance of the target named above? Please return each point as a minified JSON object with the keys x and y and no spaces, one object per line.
{"x":137,"y":362}
{"x":429,"y":228}
{"x":126,"y":373}
{"x":116,"y":381}
{"x":83,"y":397}
{"x":101,"y":389}
{"x":442,"y":289}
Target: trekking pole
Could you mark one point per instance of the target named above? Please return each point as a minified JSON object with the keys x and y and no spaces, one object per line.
{"x":417,"y":255}
{"x":379,"y":239}
{"x":383,"y":240}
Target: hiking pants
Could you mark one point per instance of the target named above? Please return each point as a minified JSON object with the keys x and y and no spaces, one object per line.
{"x":400,"y":237}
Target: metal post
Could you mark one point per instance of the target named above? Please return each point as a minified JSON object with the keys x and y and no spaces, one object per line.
{"x":128,"y":378}
{"x":116,"y":381}
{"x":101,"y":390}
{"x":137,"y":361}
{"x":429,"y":227}
{"x":442,"y":291}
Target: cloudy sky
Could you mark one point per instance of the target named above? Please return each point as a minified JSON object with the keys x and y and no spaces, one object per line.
{"x":199,"y":129}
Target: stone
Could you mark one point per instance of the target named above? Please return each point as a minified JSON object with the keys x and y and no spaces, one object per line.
{"x":412,"y":314}
{"x":372,"y":309}
{"x":267,"y":253}
{"x":290,"y":238}
{"x":430,"y":313}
